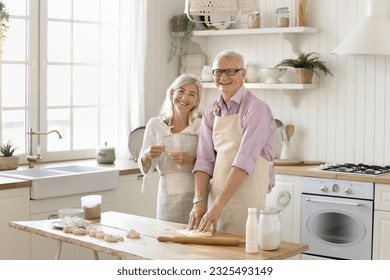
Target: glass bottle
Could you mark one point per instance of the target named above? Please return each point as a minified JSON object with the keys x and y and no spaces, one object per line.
{"x":270,"y":229}
{"x":282,"y":17}
{"x":251,"y":232}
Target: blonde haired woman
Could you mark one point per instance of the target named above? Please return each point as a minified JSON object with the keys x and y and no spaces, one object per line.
{"x":170,"y":144}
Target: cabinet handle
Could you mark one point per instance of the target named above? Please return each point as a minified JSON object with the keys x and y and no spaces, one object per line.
{"x":53,"y":216}
{"x":140,"y":177}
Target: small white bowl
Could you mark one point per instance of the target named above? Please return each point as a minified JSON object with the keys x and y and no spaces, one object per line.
{"x":71,"y":212}
{"x":272,"y":75}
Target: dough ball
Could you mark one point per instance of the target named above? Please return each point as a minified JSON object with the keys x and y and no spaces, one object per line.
{"x":100,"y":234}
{"x":69,"y":229}
{"x":92,"y":232}
{"x":80,"y":231}
{"x":110,"y":238}
{"x":133,"y":234}
{"x":80,"y":222}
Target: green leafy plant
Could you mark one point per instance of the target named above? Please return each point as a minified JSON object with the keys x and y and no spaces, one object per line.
{"x":4,"y":19}
{"x":309,"y":61}
{"x":181,"y":31}
{"x":7,"y":149}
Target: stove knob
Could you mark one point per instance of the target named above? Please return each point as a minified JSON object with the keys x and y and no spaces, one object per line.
{"x":348,"y":191}
{"x":324,"y":188}
{"x":336,"y":188}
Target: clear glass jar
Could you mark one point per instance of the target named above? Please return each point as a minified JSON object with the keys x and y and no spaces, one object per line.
{"x":282,"y":17}
{"x":270,"y":229}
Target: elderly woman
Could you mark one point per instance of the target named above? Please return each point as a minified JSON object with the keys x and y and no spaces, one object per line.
{"x":170,"y":144}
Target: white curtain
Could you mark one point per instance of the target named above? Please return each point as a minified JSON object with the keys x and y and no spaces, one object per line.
{"x":134,"y":35}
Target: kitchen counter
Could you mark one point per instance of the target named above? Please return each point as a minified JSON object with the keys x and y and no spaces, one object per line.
{"x":148,"y":247}
{"x":129,"y":167}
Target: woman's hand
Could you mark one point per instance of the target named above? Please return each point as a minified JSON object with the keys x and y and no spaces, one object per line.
{"x":151,"y":153}
{"x":154,"y":152}
{"x":181,"y":158}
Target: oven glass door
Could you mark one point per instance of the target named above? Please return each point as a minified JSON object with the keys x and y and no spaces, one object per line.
{"x":337,"y":227}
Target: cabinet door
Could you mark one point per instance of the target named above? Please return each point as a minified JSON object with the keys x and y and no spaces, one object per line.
{"x":381,"y":246}
{"x":14,"y":206}
{"x":130,"y":199}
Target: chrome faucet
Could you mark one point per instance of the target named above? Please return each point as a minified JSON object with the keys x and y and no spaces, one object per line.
{"x":30,"y":157}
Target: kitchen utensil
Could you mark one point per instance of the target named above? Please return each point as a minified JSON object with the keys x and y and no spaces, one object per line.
{"x":278,"y":123}
{"x":227,"y":241}
{"x":136,"y":139}
{"x":289,"y":131}
{"x":105,"y":155}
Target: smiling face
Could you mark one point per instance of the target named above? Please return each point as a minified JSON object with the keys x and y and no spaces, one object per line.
{"x":185,"y":98}
{"x":228,"y":85}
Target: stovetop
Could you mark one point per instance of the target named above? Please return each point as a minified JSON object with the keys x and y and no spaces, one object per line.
{"x":359,"y":168}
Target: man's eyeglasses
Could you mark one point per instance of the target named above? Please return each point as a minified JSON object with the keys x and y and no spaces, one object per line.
{"x":228,"y":72}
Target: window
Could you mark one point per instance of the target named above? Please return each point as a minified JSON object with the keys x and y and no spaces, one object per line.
{"x":61,"y":71}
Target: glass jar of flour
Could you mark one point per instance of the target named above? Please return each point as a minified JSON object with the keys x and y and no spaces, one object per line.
{"x":270,"y":229}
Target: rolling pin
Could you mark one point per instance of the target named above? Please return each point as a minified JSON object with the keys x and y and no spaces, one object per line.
{"x":227,"y":241}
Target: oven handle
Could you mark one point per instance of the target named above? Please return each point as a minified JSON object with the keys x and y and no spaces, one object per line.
{"x":334,"y":202}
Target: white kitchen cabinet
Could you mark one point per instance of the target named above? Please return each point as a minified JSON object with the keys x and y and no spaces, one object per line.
{"x":14,"y":206}
{"x":286,"y":196}
{"x":130,"y":199}
{"x":43,"y":248}
{"x":381,"y":246}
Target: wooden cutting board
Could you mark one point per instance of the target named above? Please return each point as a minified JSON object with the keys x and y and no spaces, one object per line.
{"x":290,"y":162}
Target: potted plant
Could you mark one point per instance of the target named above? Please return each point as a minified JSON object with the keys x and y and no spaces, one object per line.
{"x":305,"y":65}
{"x":181,"y":31}
{"x":7,"y":160}
{"x":4,"y":18}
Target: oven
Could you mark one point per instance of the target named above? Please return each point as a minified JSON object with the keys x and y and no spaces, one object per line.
{"x":337,"y":218}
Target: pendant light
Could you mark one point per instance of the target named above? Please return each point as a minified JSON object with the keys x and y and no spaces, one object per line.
{"x":371,"y":35}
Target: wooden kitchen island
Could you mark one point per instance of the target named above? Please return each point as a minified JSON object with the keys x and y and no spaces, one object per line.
{"x":147,"y":246}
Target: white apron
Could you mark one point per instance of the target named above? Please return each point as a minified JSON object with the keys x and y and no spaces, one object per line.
{"x":227,"y":134}
{"x":176,"y":185}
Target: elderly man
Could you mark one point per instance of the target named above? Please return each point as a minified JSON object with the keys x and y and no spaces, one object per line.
{"x":235,"y":150}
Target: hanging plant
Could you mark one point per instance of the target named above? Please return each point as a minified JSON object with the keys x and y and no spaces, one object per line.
{"x":181,"y":31}
{"x":4,"y":19}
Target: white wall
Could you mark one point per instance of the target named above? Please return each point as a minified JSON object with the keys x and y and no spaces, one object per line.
{"x":344,"y":120}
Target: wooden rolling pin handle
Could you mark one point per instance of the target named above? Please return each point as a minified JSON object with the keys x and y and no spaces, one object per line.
{"x":165,"y":239}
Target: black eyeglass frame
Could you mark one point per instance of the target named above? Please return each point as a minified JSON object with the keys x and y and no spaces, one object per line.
{"x":225,"y":71}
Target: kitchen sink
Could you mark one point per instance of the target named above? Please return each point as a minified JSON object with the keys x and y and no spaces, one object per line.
{"x":66,"y":180}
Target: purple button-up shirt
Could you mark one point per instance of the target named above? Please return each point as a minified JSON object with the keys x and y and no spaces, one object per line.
{"x":258,"y":129}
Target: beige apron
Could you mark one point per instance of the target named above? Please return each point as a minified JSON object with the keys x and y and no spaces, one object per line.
{"x":176,"y":185}
{"x":227,"y":134}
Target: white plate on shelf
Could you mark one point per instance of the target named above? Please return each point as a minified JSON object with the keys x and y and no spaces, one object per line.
{"x":219,"y":22}
{"x":136,"y":139}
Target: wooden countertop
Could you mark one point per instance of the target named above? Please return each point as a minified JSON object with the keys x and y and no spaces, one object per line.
{"x":129,"y":167}
{"x":148,"y":247}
